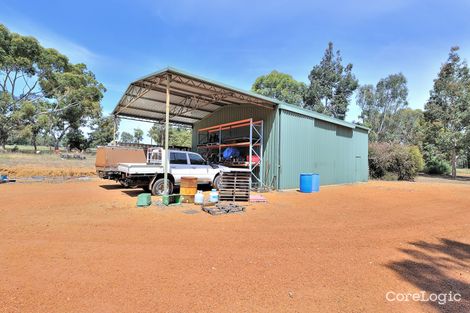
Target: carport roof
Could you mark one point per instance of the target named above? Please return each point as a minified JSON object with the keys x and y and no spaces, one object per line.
{"x":191,"y":97}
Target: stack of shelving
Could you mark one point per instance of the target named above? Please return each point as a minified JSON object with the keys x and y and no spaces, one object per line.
{"x":213,"y":140}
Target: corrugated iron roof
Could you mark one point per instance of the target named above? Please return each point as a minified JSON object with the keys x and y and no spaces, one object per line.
{"x":193,"y":97}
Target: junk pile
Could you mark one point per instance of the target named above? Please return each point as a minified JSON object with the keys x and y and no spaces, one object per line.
{"x":70,"y":156}
{"x":222,"y":208}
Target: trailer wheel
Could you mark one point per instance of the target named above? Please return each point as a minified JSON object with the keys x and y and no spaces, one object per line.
{"x":158,"y":187}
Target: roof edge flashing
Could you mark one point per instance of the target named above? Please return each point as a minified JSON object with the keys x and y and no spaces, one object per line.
{"x":319,"y":116}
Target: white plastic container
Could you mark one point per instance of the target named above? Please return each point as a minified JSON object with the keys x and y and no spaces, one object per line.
{"x":199,"y":197}
{"x":214,"y":196}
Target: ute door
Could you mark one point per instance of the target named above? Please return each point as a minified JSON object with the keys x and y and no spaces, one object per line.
{"x":179,"y":166}
{"x":199,"y":168}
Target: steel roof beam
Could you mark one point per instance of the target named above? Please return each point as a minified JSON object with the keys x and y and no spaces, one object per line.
{"x":148,"y":120}
{"x":178,"y":105}
{"x":188,"y":94}
{"x":163,"y":112}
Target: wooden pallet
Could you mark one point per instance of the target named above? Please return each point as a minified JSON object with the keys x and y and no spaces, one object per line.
{"x":222,"y":208}
{"x":235,"y":186}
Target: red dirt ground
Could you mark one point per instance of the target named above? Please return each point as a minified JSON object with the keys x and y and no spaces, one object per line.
{"x":85,"y":247}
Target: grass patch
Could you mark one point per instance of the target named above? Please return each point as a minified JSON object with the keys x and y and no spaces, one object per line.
{"x":463,"y":171}
{"x":27,"y":165}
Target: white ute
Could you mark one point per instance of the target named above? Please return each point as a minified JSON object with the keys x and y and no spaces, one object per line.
{"x":149,"y":175}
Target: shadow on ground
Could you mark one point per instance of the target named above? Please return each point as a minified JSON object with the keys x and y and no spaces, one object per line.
{"x":113,"y":187}
{"x":428,"y":265}
{"x":134,"y":192}
{"x":448,"y":177}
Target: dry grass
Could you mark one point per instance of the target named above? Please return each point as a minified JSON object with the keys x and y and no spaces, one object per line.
{"x":463,"y":171}
{"x":27,"y":165}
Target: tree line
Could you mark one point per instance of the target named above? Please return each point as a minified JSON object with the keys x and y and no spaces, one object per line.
{"x":45,"y":98}
{"x":440,"y":132}
{"x":44,"y":95}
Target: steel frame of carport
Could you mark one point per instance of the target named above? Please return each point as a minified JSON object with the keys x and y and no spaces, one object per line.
{"x":187,"y":99}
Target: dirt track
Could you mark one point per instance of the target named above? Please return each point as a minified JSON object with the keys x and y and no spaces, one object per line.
{"x":84,"y":247}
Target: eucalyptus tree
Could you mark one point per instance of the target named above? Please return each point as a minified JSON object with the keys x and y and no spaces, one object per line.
{"x":381,"y":106}
{"x":138,"y":135}
{"x":331,"y":85}
{"x":35,"y":81}
{"x":280,"y":86}
{"x":447,"y":111}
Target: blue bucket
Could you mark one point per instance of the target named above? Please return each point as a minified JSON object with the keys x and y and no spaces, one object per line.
{"x":3,"y":178}
{"x":309,"y":182}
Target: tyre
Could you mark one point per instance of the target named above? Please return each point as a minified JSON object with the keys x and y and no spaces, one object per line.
{"x":217,"y":182}
{"x":158,"y":187}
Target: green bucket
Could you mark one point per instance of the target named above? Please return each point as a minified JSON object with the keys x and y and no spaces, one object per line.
{"x":144,"y":199}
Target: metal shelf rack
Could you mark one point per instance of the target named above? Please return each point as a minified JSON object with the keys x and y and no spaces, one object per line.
{"x":254,"y":143}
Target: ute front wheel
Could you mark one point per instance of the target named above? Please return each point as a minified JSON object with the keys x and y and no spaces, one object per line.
{"x":158,"y":187}
{"x":217,"y":182}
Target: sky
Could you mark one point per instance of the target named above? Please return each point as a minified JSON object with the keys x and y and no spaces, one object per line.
{"x":236,"y":41}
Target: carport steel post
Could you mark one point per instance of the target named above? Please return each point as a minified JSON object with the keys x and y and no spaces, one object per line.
{"x":167,"y":126}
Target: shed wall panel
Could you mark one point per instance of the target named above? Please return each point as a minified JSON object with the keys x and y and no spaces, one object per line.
{"x":337,"y":153}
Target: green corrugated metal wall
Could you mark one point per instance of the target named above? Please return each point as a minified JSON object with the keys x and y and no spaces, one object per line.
{"x":296,"y":143}
{"x":337,"y":153}
{"x":271,"y":135}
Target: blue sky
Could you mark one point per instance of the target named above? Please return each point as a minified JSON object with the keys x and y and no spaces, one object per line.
{"x":236,"y":41}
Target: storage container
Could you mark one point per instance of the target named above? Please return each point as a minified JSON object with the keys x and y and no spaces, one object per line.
{"x":188,"y":186}
{"x":214,"y":196}
{"x":309,"y":182}
{"x":199,"y":197}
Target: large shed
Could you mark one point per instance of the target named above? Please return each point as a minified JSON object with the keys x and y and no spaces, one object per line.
{"x":283,"y":139}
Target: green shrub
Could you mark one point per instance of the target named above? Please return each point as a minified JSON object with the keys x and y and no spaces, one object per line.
{"x":387,"y":161}
{"x":379,"y":159}
{"x":437,"y":166}
{"x":389,"y":176}
{"x":402,"y":163}
{"x":417,"y":158}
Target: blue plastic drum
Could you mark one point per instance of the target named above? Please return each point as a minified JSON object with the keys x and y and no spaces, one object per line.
{"x":309,"y":182}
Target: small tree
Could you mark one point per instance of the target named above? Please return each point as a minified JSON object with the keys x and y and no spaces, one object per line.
{"x":180,"y":136}
{"x":76,"y":140}
{"x":103,"y":131}
{"x":126,"y":137}
{"x":138,"y":135}
{"x":280,"y":86}
{"x":157,"y":133}
{"x":331,"y":85}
